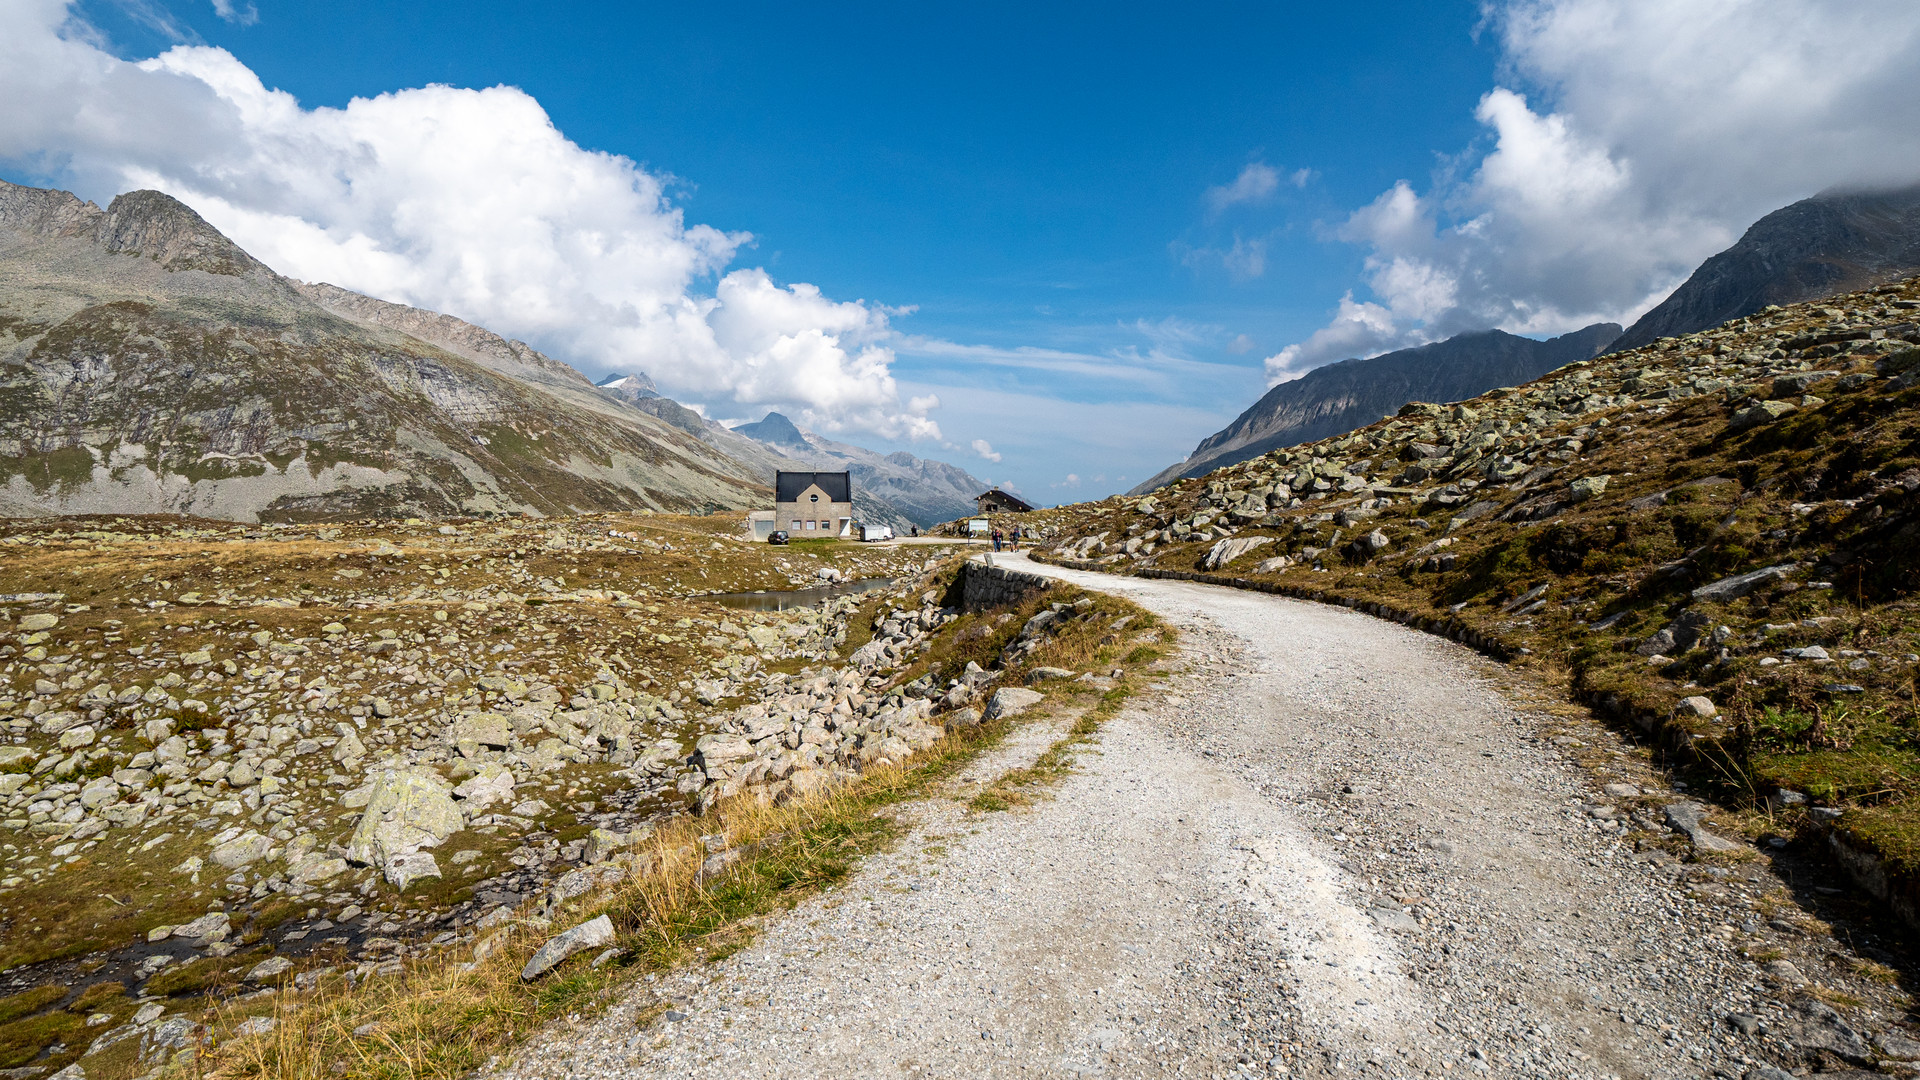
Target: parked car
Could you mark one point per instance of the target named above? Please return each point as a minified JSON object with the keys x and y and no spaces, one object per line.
{"x":871,"y":533}
{"x":777,"y":536}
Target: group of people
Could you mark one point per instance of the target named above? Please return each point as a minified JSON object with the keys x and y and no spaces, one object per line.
{"x":1010,"y":538}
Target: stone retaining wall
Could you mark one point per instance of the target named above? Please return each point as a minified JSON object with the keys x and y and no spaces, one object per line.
{"x":984,"y":586}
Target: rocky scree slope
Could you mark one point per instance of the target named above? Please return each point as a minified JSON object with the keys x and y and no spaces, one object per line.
{"x":147,"y":364}
{"x":1716,"y":534}
{"x":1338,"y":398}
{"x":236,"y":758}
{"x":1835,"y":242}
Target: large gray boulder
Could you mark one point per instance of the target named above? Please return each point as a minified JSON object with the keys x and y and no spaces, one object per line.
{"x":243,"y":850}
{"x":407,"y":809}
{"x":1733,"y":588}
{"x":1757,"y":414}
{"x":590,"y":934}
{"x":1228,"y":550}
{"x":1011,"y":701}
{"x":483,"y":729}
{"x":409,"y":867}
{"x":492,"y":784}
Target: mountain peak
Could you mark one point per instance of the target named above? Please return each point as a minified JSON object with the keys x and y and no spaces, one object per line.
{"x":148,"y":224}
{"x":160,"y":227}
{"x":1837,"y":241}
{"x":635,"y":387}
{"x":46,"y":212}
{"x":775,"y":429}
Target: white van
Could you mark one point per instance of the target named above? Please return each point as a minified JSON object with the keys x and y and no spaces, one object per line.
{"x":872,"y":533}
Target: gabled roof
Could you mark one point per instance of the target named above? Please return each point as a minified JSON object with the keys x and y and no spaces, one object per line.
{"x":1011,"y":500}
{"x":787,"y":486}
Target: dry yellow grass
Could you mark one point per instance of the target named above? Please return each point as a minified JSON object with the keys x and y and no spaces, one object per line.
{"x":446,"y":1015}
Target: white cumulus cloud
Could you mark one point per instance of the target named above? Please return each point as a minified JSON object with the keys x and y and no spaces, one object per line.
{"x":1359,"y":329}
{"x":985,"y":450}
{"x":1629,"y":141}
{"x":465,"y":201}
{"x":1255,"y":182}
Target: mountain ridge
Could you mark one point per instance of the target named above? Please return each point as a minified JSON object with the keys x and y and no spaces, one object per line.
{"x":149,"y":365}
{"x":1350,"y":394}
{"x":1835,"y":242}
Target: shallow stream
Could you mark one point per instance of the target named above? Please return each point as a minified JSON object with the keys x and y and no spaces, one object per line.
{"x":781,"y":600}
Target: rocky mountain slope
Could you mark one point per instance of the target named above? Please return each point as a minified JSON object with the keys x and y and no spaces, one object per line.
{"x":1832,"y":243}
{"x":147,"y":364}
{"x":307,"y":751}
{"x":1340,"y":397}
{"x":925,"y":492}
{"x":1715,"y":536}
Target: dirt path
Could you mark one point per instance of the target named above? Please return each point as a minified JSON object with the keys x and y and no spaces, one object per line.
{"x":1332,"y":848}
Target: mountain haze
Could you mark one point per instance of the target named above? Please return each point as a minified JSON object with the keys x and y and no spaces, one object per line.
{"x":1340,"y":397}
{"x":925,"y":492}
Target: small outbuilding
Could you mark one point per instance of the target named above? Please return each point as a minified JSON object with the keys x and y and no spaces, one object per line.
{"x":1000,"y":502}
{"x":810,"y":504}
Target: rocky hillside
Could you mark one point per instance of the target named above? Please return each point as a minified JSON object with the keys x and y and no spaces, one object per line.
{"x":147,"y":364}
{"x":1717,"y":536}
{"x":922,"y":491}
{"x":1340,"y":397}
{"x":1835,"y":242}
{"x":307,"y":756}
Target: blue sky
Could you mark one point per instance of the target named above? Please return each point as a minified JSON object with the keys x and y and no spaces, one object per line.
{"x":1093,"y":233}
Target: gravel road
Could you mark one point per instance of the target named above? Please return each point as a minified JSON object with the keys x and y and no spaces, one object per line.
{"x":1330,"y":846}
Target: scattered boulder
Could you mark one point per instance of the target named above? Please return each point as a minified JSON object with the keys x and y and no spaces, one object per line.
{"x":1758,"y":414}
{"x":604,"y":844}
{"x":492,"y":784}
{"x":407,"y":809}
{"x":407,"y":867}
{"x":268,"y":968}
{"x":1587,"y":487}
{"x":483,"y":729}
{"x":1699,"y":706}
{"x":314,"y":867}
{"x":1230,"y":549}
{"x":588,"y":935}
{"x":1046,"y":674}
{"x":243,"y":850}
{"x":1733,"y":588}
{"x":1011,"y":701}
{"x":1689,"y":818}
{"x":211,"y":927}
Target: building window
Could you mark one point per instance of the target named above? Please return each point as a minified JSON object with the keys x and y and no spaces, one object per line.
{"x":795,"y":527}
{"x":810,"y":526}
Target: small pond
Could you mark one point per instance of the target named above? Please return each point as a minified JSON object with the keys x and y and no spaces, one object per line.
{"x":794,"y":598}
